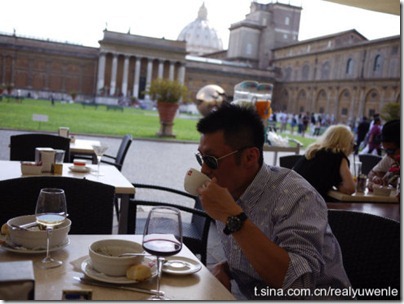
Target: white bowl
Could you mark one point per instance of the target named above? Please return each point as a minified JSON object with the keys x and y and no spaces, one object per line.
{"x":105,"y":258}
{"x":35,"y":238}
{"x":381,"y":190}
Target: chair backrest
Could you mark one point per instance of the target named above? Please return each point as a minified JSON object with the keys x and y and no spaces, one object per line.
{"x":370,"y":248}
{"x":195,"y":228}
{"x":120,"y":155}
{"x":22,"y":146}
{"x":368,"y":162}
{"x":89,"y":203}
{"x":123,"y":149}
{"x":289,"y":161}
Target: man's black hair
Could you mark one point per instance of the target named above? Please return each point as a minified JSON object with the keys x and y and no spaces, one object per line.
{"x":242,"y":126}
{"x":391,"y":132}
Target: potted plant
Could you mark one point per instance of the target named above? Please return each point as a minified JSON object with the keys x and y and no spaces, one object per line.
{"x":168,"y":94}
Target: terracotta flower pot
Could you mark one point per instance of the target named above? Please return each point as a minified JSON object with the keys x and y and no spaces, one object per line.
{"x":167,"y":111}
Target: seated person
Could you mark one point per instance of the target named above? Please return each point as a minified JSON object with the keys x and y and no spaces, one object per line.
{"x":325,"y":164}
{"x":391,"y":145}
{"x":272,"y":223}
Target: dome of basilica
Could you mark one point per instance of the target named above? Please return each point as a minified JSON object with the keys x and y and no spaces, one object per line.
{"x":201,"y":38}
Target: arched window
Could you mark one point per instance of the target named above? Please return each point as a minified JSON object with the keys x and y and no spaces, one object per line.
{"x":288,"y":74}
{"x":305,"y":72}
{"x":349,"y":67}
{"x":377,"y":65}
{"x":325,"y":70}
{"x":249,"y":49}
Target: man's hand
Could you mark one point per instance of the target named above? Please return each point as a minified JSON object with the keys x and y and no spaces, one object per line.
{"x":217,"y":201}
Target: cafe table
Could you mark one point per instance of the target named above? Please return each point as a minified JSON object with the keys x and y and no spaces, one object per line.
{"x":50,"y":283}
{"x":110,"y":176}
{"x":385,"y":206}
{"x":276,"y":149}
{"x":83,"y":147}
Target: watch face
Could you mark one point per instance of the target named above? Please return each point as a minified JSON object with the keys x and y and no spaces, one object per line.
{"x":233,"y":223}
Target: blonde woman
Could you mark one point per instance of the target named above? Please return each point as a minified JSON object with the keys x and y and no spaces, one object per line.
{"x":325,"y":164}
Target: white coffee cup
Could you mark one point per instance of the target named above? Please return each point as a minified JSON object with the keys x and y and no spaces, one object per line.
{"x":193,"y":180}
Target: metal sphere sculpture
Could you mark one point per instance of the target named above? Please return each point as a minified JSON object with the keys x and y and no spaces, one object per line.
{"x":209,"y":98}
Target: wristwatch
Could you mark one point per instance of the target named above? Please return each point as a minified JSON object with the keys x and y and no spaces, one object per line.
{"x":234,"y":223}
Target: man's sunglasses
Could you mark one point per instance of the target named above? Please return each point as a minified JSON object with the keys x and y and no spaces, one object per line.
{"x":211,"y":161}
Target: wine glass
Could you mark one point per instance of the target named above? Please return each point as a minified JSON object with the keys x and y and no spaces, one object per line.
{"x":99,"y":150}
{"x":162,"y":237}
{"x":50,"y":211}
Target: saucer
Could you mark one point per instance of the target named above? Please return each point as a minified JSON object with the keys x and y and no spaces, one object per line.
{"x":89,"y":271}
{"x":179,"y":265}
{"x":18,"y":249}
{"x":84,"y":169}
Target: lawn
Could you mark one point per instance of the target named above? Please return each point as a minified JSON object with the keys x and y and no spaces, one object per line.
{"x":96,"y":121}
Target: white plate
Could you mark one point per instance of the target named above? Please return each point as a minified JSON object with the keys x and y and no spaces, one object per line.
{"x":88,"y":270}
{"x":10,"y":247}
{"x":80,"y":169}
{"x":181,"y":265}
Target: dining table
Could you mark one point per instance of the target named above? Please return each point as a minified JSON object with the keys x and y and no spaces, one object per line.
{"x":110,"y":175}
{"x":367,"y":202}
{"x":276,"y":149}
{"x":50,"y":284}
{"x":80,"y":146}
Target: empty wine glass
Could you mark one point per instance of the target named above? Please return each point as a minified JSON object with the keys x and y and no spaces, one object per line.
{"x":50,"y":211}
{"x":99,"y":150}
{"x":162,"y":237}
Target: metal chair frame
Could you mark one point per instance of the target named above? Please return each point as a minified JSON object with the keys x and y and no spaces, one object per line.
{"x":195,"y":233}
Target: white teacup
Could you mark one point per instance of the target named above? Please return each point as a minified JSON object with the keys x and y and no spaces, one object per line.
{"x":193,"y":180}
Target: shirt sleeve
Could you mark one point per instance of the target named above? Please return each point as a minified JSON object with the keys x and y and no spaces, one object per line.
{"x":300,"y":231}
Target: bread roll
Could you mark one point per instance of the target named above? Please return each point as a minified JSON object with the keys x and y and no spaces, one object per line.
{"x":139,"y":272}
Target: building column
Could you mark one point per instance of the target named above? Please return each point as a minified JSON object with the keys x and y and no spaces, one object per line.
{"x":161,"y":69}
{"x":136,"y":78}
{"x":171,"y":71}
{"x":149,"y":74}
{"x":361,"y":111}
{"x":181,"y":74}
{"x":101,"y":72}
{"x":125,"y":76}
{"x":382,"y":99}
{"x":113,"y":74}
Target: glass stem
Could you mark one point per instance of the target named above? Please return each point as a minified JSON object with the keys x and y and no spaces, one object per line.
{"x":49,"y":231}
{"x":160,"y":261}
{"x":99,"y":163}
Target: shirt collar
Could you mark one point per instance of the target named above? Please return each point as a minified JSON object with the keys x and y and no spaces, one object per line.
{"x":251,"y":195}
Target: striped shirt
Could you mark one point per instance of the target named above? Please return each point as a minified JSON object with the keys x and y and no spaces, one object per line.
{"x":293,"y":215}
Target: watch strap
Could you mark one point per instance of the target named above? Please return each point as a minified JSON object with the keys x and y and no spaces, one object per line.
{"x":234,"y":223}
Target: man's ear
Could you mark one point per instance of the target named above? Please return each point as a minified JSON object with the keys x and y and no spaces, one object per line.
{"x":252,"y":155}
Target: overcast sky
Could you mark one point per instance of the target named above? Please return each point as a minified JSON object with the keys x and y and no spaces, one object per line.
{"x":83,"y":21}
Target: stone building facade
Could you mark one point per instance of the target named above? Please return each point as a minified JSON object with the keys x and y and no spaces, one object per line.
{"x":42,"y":68}
{"x":344,"y":75}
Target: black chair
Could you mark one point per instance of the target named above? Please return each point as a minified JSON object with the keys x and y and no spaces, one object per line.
{"x":195,"y":232}
{"x":289,"y":161}
{"x":368,"y":162}
{"x":89,"y":203}
{"x":370,"y":248}
{"x":118,"y":160}
{"x":22,"y":146}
